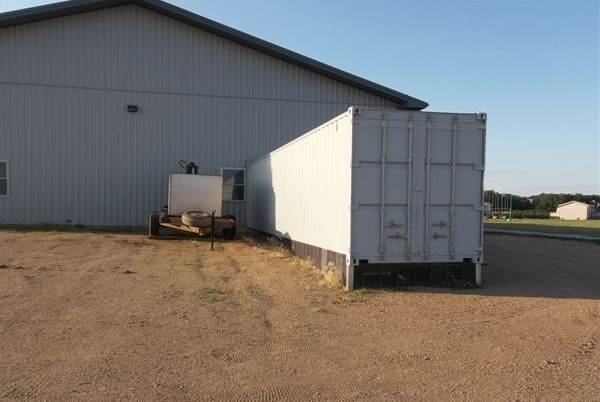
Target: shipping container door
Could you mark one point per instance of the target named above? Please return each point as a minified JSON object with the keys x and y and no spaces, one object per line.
{"x":381,"y":180}
{"x":417,"y":186}
{"x":438,"y":188}
{"x":449,"y":179}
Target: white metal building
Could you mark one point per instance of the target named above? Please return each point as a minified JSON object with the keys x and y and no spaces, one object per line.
{"x":100,"y":99}
{"x":573,"y":210}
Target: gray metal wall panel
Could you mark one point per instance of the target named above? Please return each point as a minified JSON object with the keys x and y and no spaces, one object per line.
{"x":300,"y":189}
{"x":76,"y":155}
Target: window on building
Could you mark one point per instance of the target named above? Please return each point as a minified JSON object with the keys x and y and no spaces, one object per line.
{"x":3,"y":178}
{"x":233,"y":184}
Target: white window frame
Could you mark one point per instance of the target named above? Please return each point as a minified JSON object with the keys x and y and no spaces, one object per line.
{"x":243,"y":185}
{"x":6,"y":177}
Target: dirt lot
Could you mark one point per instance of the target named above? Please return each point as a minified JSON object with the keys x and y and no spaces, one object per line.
{"x":119,"y":316}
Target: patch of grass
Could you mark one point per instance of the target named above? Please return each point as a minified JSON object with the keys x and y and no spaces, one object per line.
{"x":211,"y":295}
{"x":361,"y":292}
{"x":332,"y":280}
{"x":74,"y":229}
{"x":357,"y":294}
{"x":548,"y":226}
{"x":454,"y":282}
{"x":27,"y":228}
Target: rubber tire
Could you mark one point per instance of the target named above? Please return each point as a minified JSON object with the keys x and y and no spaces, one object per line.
{"x":229,"y":234}
{"x":163,"y":217}
{"x":197,"y":219}
{"x":153,"y":224}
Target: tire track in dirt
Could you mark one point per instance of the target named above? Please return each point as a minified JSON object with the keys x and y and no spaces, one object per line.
{"x":341,"y":389}
{"x":228,"y":357}
{"x":254,"y":324}
{"x":279,"y":344}
{"x":54,"y":297}
{"x":31,"y":390}
{"x":254,"y":301}
{"x":49,"y":300}
{"x":286,"y":393}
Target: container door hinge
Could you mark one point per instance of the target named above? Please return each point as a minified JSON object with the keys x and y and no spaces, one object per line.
{"x":381,"y":251}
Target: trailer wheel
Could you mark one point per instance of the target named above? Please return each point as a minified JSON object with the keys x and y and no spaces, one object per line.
{"x":196,"y":218}
{"x":153,"y":224}
{"x":229,"y":234}
{"x":163,"y":217}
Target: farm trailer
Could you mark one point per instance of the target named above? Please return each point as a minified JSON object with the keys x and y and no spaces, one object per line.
{"x":194,"y":206}
{"x":382,"y":197}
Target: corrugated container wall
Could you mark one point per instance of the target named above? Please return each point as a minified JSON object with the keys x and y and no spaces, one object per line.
{"x":74,"y":153}
{"x":377,"y":187}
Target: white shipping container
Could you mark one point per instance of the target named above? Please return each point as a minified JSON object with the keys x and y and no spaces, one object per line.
{"x":377,"y":187}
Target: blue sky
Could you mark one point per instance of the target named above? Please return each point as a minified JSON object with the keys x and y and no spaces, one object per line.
{"x":531,"y":65}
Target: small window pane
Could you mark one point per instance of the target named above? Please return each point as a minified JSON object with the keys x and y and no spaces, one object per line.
{"x":3,"y":170}
{"x":238,"y":193}
{"x":233,"y":184}
{"x":231,"y":177}
{"x":3,"y":187}
{"x":227,"y":193}
{"x":233,"y":193}
{"x":239,"y":177}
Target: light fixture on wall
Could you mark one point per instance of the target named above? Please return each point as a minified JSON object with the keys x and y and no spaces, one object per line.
{"x":132,"y":108}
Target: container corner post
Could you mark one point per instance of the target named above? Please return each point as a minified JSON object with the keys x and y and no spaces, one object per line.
{"x":349,"y":285}
{"x":478,"y":273}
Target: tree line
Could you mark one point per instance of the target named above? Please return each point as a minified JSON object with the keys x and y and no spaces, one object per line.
{"x":539,"y":206}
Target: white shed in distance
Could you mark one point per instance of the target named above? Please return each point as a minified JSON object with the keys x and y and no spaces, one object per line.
{"x":573,"y":210}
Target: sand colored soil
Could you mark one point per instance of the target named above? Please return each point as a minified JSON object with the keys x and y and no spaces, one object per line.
{"x":87,"y":316}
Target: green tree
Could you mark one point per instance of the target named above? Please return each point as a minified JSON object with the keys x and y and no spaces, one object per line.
{"x":522,"y":203}
{"x":546,"y":202}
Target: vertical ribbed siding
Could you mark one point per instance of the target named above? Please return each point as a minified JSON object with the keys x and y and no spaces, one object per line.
{"x":305,"y":186}
{"x":77,"y":156}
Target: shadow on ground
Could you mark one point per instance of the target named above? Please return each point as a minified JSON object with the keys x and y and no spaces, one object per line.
{"x":537,"y":267}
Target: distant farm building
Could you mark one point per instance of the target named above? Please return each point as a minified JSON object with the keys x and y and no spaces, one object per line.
{"x":573,"y":210}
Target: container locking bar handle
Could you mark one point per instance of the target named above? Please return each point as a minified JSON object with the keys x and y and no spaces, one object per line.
{"x":382,"y":205}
